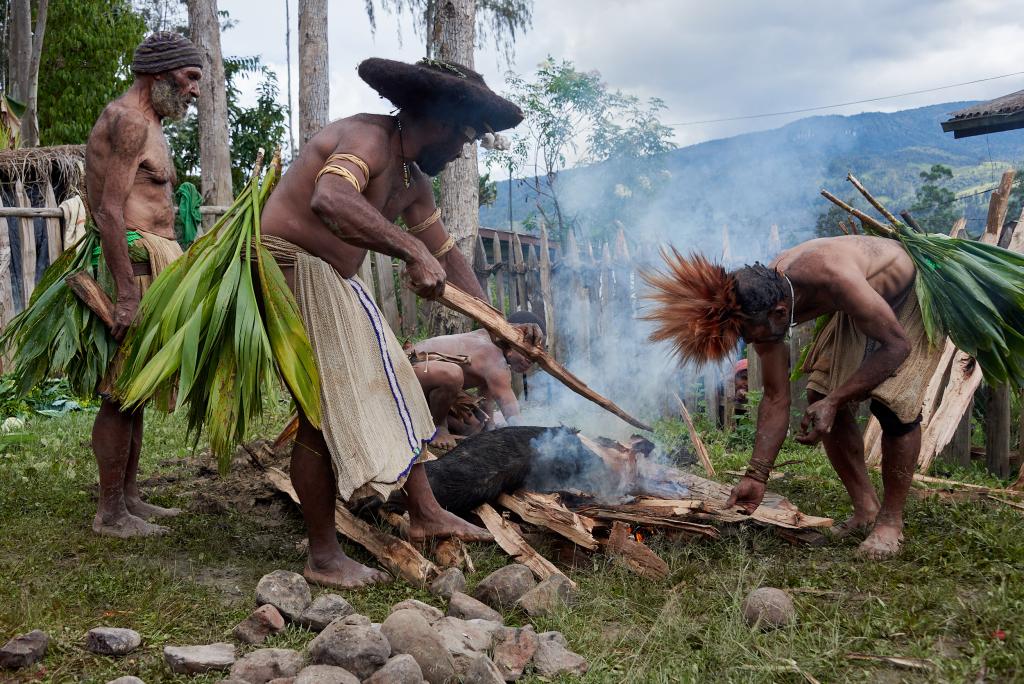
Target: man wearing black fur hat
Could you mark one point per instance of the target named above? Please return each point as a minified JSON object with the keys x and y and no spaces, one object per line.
{"x":130,"y":181}
{"x":338,"y":199}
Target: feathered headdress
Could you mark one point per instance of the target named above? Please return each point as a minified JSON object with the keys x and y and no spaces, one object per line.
{"x":694,"y":307}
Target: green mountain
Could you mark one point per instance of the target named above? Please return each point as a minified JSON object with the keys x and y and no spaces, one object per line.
{"x":750,"y":182}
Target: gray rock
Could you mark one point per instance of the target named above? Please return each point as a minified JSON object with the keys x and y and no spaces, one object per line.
{"x":232,"y":680}
{"x":112,"y":640}
{"x":127,"y":679}
{"x":557,"y":637}
{"x":286,"y":591}
{"x":265,"y":664}
{"x":360,"y":649}
{"x":409,"y":632}
{"x":24,"y":650}
{"x":448,"y":582}
{"x":198,"y":659}
{"x":513,"y":650}
{"x":282,"y":680}
{"x":325,"y":609}
{"x":548,"y":597}
{"x":768,"y":608}
{"x":401,"y":669}
{"x":553,"y":659}
{"x":503,"y":587}
{"x":466,"y":639}
{"x":468,"y":608}
{"x":483,"y":671}
{"x":429,"y":612}
{"x":356,"y":619}
{"x":325,"y":674}
{"x":263,"y":622}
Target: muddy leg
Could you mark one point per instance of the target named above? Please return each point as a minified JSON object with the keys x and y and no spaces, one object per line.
{"x":132,"y":497}
{"x":426,"y":517}
{"x":112,"y":442}
{"x":845,"y":448}
{"x":314,"y":482}
{"x":899,"y":458}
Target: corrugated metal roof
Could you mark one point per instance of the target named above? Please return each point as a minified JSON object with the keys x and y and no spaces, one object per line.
{"x":1005,"y":105}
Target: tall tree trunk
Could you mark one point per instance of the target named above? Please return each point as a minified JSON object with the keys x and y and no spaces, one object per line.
{"x":214,"y":149}
{"x":288,"y":65}
{"x":314,"y":86}
{"x":26,"y":53}
{"x":455,"y":36}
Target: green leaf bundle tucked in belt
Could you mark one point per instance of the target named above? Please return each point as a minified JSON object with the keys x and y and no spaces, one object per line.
{"x":971,"y":291}
{"x":57,"y":335}
{"x":200,"y":329}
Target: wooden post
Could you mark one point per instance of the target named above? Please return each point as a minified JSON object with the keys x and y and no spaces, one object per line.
{"x":545,"y":288}
{"x":728,"y":401}
{"x":754,"y":382}
{"x":314,"y":69}
{"x":958,"y":451}
{"x":499,"y":275}
{"x":480,"y":264}
{"x":578,"y":299}
{"x":410,"y":320}
{"x":997,"y":410}
{"x":388,"y":300}
{"x":533,"y":282}
{"x":28,"y":245}
{"x":6,"y":273}
{"x":519,"y":266}
{"x":711,"y":392}
{"x":54,"y":239}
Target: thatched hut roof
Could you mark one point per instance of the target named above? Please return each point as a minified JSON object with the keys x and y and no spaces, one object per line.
{"x":64,"y":165}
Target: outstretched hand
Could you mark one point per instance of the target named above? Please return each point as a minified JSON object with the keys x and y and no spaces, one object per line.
{"x":817,"y":421}
{"x":747,"y":494}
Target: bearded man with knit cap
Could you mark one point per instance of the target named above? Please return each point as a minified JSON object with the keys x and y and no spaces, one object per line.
{"x":130,"y":182}
{"x":340,"y":198}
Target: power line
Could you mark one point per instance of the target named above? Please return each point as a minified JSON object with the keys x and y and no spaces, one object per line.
{"x":843,"y":104}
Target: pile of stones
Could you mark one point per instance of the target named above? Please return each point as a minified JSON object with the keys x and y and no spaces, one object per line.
{"x":416,"y":643}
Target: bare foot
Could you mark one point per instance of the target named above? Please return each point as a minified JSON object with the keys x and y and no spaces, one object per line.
{"x":343,"y":573}
{"x":443,"y":439}
{"x":442,"y":525}
{"x":883,"y":543}
{"x":855,"y":524}
{"x":125,"y":526}
{"x":141,"y":509}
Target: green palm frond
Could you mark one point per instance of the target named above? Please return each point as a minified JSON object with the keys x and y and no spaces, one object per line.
{"x":970,"y":291}
{"x":202,"y":333}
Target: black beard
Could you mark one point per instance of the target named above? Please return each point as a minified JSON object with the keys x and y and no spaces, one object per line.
{"x":168,"y":101}
{"x":431,"y":162}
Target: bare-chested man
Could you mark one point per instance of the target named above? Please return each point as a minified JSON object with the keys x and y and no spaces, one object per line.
{"x":874,"y":347}
{"x":338,"y":199}
{"x":487,"y":368}
{"x":129,"y":180}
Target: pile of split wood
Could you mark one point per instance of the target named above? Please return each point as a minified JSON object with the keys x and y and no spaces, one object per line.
{"x":575,"y":525}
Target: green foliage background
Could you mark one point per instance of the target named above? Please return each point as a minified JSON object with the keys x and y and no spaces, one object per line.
{"x":85,"y":64}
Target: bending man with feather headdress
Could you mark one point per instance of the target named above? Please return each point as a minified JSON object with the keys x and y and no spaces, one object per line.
{"x":874,"y":347}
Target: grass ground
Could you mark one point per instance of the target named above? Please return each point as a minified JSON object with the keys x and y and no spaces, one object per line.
{"x":954,"y":597}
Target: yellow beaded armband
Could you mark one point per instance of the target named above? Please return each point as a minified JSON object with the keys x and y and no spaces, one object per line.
{"x":422,"y":226}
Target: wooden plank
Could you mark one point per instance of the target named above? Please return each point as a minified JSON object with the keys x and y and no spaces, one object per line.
{"x":547,"y":511}
{"x":30,"y":212}
{"x":514,"y":545}
{"x":997,"y":431}
{"x":387,"y":297}
{"x":698,"y":443}
{"x":480,"y":265}
{"x":579,"y":297}
{"x":54,"y":237}
{"x":958,"y":451}
{"x":398,"y":556}
{"x":965,"y":377}
{"x":533,"y":288}
{"x":711,"y":398}
{"x":728,"y":401}
{"x":635,"y":555}
{"x":28,"y":245}
{"x":92,"y":295}
{"x":545,"y":288}
{"x":997,"y":207}
{"x":410,"y":321}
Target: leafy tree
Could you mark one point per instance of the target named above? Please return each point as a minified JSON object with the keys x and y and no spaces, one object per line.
{"x":566,"y":110}
{"x":263,"y":125}
{"x":934,"y":206}
{"x":86,"y":63}
{"x":827,"y":224}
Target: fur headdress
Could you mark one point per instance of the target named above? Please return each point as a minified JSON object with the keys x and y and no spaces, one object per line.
{"x":694,"y":307}
{"x":446,"y":90}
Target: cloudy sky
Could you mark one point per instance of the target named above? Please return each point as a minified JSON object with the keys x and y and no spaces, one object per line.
{"x":707,"y":60}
